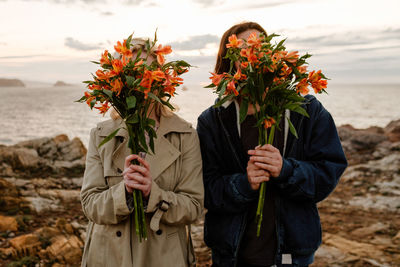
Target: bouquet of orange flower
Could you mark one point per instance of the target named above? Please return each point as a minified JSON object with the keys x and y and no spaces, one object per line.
{"x":131,"y":87}
{"x":271,"y":79}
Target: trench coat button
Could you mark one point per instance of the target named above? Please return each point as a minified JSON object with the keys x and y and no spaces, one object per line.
{"x":118,"y":233}
{"x":159,"y":232}
{"x":119,"y":170}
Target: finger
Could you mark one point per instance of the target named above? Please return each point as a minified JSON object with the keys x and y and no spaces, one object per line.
{"x":140,"y":187}
{"x":140,"y":169}
{"x":144,"y":163}
{"x":259,"y":152}
{"x":258,"y":172}
{"x":128,"y":160}
{"x":259,"y":179}
{"x":262,"y":159}
{"x":138,"y":178}
{"x":268,"y":147}
{"x":268,"y":167}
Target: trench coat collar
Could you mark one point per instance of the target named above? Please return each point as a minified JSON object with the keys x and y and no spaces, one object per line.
{"x":165,"y":152}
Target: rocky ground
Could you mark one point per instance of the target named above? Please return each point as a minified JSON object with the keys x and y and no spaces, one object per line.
{"x":42,"y":224}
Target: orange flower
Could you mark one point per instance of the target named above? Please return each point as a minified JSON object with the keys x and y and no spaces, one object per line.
{"x":269,"y":122}
{"x":292,"y":57}
{"x":276,"y":57}
{"x":216,"y":78}
{"x":316,"y":81}
{"x":302,"y":87}
{"x":285,"y":71}
{"x":104,"y":60}
{"x":302,"y":69}
{"x":103,"y":108}
{"x":231,"y":88}
{"x":239,"y":76}
{"x":234,"y":42}
{"x":117,"y":86}
{"x":94,"y":86}
{"x":89,"y":98}
{"x":253,"y":40}
{"x":101,"y":75}
{"x":249,"y":54}
{"x":161,"y":51}
{"x":158,"y":75}
{"x":117,"y":66}
{"x":146,"y":82}
{"x":244,"y":65}
{"x":122,"y":49}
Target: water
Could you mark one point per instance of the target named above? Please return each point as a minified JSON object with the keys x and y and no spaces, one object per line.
{"x":32,"y":112}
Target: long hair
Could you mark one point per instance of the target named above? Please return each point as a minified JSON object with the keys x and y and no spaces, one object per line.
{"x":159,"y":109}
{"x":222,"y":65}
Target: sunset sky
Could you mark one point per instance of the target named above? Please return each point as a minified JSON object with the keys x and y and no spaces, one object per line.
{"x":47,"y":40}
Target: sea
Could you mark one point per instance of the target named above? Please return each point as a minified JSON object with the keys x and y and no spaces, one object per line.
{"x":44,"y":111}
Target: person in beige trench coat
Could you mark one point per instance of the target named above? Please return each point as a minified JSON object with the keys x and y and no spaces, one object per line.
{"x":175,"y":200}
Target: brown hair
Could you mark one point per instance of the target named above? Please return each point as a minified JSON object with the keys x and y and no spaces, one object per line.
{"x":222,"y":65}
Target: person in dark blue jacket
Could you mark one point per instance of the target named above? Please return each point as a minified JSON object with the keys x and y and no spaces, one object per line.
{"x":300,"y":173}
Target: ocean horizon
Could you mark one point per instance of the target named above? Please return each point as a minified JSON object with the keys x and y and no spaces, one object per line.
{"x":42,"y":111}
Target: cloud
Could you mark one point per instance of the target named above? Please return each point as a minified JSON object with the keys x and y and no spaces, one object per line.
{"x":195,"y":42}
{"x":3,"y":43}
{"x":78,"y":45}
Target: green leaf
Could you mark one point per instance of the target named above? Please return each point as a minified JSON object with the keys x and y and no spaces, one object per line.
{"x":301,"y":111}
{"x":210,"y":86}
{"x":142,"y":140}
{"x":82,"y":99}
{"x":223,"y":100}
{"x":108,"y":93}
{"x":244,"y":106}
{"x":132,"y":119}
{"x":92,"y":103}
{"x":131,"y":101}
{"x":154,"y":97}
{"x":292,"y":129}
{"x":151,"y":122}
{"x":128,"y":41}
{"x":95,"y":62}
{"x":109,"y":137}
{"x":130,"y":80}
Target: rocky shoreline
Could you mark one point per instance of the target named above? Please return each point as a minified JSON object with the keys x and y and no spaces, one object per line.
{"x":42,"y":224}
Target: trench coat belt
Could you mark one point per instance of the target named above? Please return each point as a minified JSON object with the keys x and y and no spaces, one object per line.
{"x":155,"y":220}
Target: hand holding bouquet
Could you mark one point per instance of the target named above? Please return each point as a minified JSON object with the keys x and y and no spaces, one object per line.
{"x":270,"y":79}
{"x":132,"y":86}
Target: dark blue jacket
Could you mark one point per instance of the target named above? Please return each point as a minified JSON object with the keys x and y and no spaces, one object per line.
{"x":312,"y":166}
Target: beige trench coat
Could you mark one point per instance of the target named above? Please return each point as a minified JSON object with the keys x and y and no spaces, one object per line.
{"x":176,"y":170}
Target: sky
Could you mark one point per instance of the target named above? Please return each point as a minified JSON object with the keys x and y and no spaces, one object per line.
{"x":355,"y":41}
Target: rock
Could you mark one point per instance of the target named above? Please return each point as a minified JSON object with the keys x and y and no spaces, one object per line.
{"x":28,"y":240}
{"x":59,"y":139}
{"x":47,"y":232}
{"x":61,"y":83}
{"x":8,"y":224}
{"x":61,"y":194}
{"x":369,"y":230}
{"x":397,"y":237}
{"x":65,"y":249}
{"x":392,"y":131}
{"x":385,"y":203}
{"x":361,"y":139}
{"x":11,"y":83}
{"x":40,"y":204}
{"x":73,"y":150}
{"x":352,"y":247}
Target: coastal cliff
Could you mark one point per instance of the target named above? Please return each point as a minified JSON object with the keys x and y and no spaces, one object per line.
{"x":41,"y":220}
{"x":11,"y":83}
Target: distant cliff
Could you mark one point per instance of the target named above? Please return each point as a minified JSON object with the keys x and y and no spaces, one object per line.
{"x":61,"y":83}
{"x":11,"y":83}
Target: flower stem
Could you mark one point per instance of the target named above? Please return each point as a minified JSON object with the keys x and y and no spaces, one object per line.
{"x":261,"y":196}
